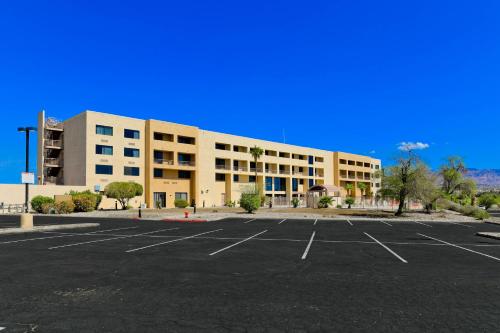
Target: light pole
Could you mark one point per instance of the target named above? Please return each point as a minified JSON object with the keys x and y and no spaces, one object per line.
{"x":27,"y":130}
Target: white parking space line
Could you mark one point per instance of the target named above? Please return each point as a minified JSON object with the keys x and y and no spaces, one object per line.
{"x":2,"y":328}
{"x":110,"y":239}
{"x":315,"y":221}
{"x":427,"y":225}
{"x":304,"y":256}
{"x":462,"y":225}
{"x":172,"y":241}
{"x":388,"y":249}
{"x":65,"y":235}
{"x":232,"y":245}
{"x":249,"y":221}
{"x":281,"y":221}
{"x":390,"y":225}
{"x":350,"y":223}
{"x":460,"y":247}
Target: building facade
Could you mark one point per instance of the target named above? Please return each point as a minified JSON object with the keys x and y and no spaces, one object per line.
{"x":174,"y":161}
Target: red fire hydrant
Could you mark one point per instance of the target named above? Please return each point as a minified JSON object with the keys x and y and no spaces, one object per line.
{"x":186,"y":215}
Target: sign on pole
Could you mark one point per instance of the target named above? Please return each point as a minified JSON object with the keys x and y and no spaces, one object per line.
{"x":27,"y":178}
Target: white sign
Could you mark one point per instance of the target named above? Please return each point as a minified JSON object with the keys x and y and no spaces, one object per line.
{"x":27,"y":178}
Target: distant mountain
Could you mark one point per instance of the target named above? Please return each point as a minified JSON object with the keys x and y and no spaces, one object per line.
{"x":486,"y":179}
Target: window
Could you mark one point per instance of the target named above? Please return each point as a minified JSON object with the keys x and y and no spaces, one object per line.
{"x":343,"y":162}
{"x":311,"y":182}
{"x":222,"y":146}
{"x":377,"y":167}
{"x":103,"y":130}
{"x":301,"y":181}
{"x":220,"y":177}
{"x":103,"y":150}
{"x":101,"y":169}
{"x":311,"y":159}
{"x":236,"y":178}
{"x":131,"y":171}
{"x":131,"y":134}
{"x":279,"y":184}
{"x":269,"y":183}
{"x":186,"y":140}
{"x":251,"y":179}
{"x":295,"y":184}
{"x":181,"y":196}
{"x":183,"y":174}
{"x":158,"y":173}
{"x":131,"y":152}
{"x":311,"y":172}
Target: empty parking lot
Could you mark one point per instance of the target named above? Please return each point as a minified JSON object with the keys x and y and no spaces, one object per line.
{"x":251,"y":275}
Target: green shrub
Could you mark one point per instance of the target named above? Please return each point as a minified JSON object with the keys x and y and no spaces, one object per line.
{"x":48,"y":208}
{"x":324,"y":202}
{"x":339,"y":206}
{"x":38,"y":201}
{"x":84,"y":202}
{"x":472,"y":211}
{"x":349,"y":201}
{"x":487,"y":200}
{"x":64,"y":207}
{"x":295,"y":202}
{"x":230,"y":204}
{"x":181,"y":203}
{"x":480,"y":214}
{"x":250,"y":202}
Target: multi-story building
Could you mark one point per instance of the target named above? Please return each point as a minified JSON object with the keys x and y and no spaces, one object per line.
{"x":174,"y":161}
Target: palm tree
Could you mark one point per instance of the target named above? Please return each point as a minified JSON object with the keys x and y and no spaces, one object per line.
{"x":362,"y":187}
{"x":349,"y":187}
{"x":256,"y":153}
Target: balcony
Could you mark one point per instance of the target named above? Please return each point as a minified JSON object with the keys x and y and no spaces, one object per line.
{"x":222,"y":167}
{"x":273,"y":171}
{"x":186,"y":163}
{"x":53,"y":162}
{"x":240,"y":168}
{"x":284,"y":172}
{"x":163,"y":161}
{"x":49,"y":143}
{"x":255,"y":169}
{"x":299,"y":173}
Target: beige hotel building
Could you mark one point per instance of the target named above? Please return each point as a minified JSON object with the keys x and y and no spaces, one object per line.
{"x":173,"y":161}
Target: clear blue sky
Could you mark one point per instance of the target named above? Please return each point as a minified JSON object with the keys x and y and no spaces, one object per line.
{"x":357,"y":76}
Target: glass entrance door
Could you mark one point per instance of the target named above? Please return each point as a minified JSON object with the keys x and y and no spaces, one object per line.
{"x":160,"y":199}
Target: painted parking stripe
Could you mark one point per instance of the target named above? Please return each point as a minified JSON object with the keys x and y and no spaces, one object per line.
{"x":110,"y":239}
{"x":65,"y":235}
{"x":2,"y":328}
{"x":427,"y":225}
{"x":390,"y":225}
{"x":242,"y":241}
{"x":172,"y":241}
{"x":315,"y":221}
{"x":281,"y":221}
{"x":462,"y":225}
{"x":304,"y":256}
{"x":388,"y":249}
{"x":460,"y":247}
{"x":350,"y":222}
{"x":249,"y":221}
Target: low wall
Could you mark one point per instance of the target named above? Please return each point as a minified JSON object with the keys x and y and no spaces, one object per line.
{"x":13,"y":194}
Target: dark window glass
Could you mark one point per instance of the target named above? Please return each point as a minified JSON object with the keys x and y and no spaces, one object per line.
{"x":131,"y":171}
{"x":311,"y":159}
{"x":251,"y":179}
{"x":236,"y":178}
{"x":295,"y":184}
{"x":311,"y":171}
{"x":131,"y":134}
{"x":103,"y":130}
{"x":220,"y":177}
{"x":186,"y":140}
{"x":131,"y":152}
{"x":269,"y":183}
{"x":103,"y":150}
{"x":158,"y":173}
{"x":183,"y":174}
{"x":311,"y":182}
{"x":301,"y":181}
{"x":101,"y":169}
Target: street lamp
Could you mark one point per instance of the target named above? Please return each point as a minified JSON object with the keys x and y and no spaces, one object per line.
{"x":27,"y":130}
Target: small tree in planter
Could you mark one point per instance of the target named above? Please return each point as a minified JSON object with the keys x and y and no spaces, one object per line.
{"x":295,"y":202}
{"x":349,"y":201}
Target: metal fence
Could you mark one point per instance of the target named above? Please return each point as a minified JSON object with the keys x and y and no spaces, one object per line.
{"x":11,"y":208}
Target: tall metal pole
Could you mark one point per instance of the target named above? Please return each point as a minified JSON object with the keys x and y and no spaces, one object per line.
{"x":26,"y":194}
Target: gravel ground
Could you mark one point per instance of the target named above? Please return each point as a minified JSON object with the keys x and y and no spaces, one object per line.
{"x":222,"y":213}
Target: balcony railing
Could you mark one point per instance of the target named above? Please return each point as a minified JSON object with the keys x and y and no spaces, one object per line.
{"x":240,"y":168}
{"x":300,"y":173}
{"x":271,"y":171}
{"x":52,"y":161}
{"x":186,"y":163}
{"x":163,"y":161}
{"x":255,"y":169}
{"x":222,"y":167}
{"x":53,"y":143}
{"x":319,"y":175}
{"x":284,"y":172}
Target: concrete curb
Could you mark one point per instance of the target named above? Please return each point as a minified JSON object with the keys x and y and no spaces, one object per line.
{"x":494,"y":235}
{"x":8,"y":231}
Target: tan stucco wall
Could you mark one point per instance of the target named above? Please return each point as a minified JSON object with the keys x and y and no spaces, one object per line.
{"x":75,"y":150}
{"x":370,"y":167}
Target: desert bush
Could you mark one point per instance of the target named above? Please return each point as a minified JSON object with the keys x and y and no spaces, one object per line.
{"x":324,"y":202}
{"x":472,"y":211}
{"x":84,"y":202}
{"x":64,"y":207}
{"x":488,"y":199}
{"x":295,"y":202}
{"x":48,"y":208}
{"x":250,"y":201}
{"x":349,"y":201}
{"x":38,"y":202}
{"x":181,"y":203}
